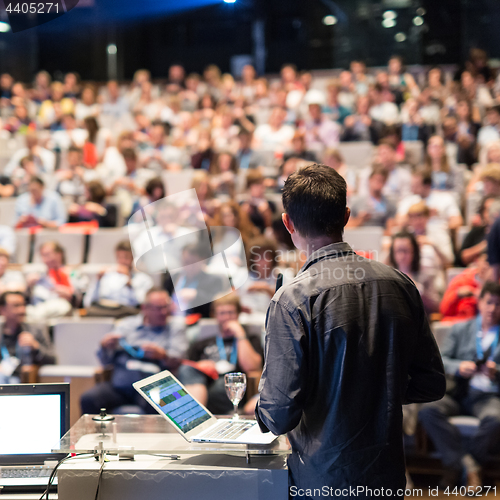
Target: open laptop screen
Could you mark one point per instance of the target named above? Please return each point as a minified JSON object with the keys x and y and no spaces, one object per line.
{"x":33,"y":418}
{"x":170,"y":397}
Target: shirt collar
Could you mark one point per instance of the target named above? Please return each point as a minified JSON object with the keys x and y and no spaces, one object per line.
{"x":333,"y":250}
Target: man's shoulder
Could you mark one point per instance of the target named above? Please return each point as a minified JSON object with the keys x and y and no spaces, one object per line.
{"x":22,"y":198}
{"x":130,"y":322}
{"x":329,"y":274}
{"x":464,"y":327}
{"x":53,"y":196}
{"x":441,"y":198}
{"x":176,"y":325}
{"x":495,"y":227}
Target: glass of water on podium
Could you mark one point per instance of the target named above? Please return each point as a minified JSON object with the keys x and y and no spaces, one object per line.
{"x":236,"y":385}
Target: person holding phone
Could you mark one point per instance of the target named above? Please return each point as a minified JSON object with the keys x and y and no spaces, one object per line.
{"x":140,"y":346}
{"x":471,"y":357}
{"x":347,"y":344}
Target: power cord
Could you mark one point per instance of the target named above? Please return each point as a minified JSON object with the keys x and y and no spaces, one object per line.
{"x":101,"y":470}
{"x":54,"y":471}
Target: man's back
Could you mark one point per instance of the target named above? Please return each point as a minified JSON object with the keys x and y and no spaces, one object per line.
{"x":351,"y":343}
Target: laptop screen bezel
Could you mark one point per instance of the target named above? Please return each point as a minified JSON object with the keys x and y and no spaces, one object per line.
{"x":38,"y":389}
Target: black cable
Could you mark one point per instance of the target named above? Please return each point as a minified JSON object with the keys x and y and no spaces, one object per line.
{"x":54,"y":471}
{"x":99,"y":480}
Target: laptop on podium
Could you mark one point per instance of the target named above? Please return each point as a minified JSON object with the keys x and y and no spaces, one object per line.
{"x":191,"y":419}
{"x":33,"y":418}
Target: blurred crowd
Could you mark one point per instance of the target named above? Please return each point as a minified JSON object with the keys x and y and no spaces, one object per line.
{"x":419,"y":149}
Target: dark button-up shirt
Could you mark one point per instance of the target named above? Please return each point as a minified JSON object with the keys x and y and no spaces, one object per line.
{"x":347,"y":343}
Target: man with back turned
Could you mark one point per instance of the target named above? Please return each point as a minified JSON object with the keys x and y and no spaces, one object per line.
{"x":347,"y":344}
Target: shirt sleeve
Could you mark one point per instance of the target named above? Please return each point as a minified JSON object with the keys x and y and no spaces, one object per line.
{"x":8,"y":240}
{"x":280,"y":404}
{"x":179,"y":344}
{"x":494,"y":243}
{"x":19,"y":209}
{"x":60,"y":216}
{"x":426,"y":379}
{"x":449,"y":350}
{"x":92,"y":294}
{"x":45,"y":354}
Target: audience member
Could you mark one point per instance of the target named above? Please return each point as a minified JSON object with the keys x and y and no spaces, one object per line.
{"x":51,"y":293}
{"x":39,"y":207}
{"x":44,"y":159}
{"x":398,"y":184}
{"x":471,"y":360}
{"x":223,"y":172}
{"x":21,"y":343}
{"x":374,"y":209}
{"x":405,"y":256}
{"x":140,"y":346}
{"x":10,"y":279}
{"x":444,"y":211}
{"x":231,"y":350}
{"x":320,"y":131}
{"x":475,"y":242}
{"x":94,"y":207}
{"x":256,"y":293}
{"x":299,"y":149}
{"x":460,"y":298}
{"x":192,"y":288}
{"x":259,"y":209}
{"x":445,"y":177}
{"x":275,"y":134}
{"x":426,"y":234}
{"x":119,"y":290}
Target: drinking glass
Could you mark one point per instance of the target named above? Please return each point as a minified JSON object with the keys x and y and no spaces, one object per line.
{"x":236,"y":385}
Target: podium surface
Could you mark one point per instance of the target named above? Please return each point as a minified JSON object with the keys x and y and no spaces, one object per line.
{"x":142,"y":456}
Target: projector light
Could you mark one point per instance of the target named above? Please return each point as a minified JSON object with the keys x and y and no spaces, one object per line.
{"x":329,"y":20}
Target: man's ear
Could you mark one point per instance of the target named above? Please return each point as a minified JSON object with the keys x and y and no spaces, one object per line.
{"x":347,"y":215}
{"x":288,"y":223}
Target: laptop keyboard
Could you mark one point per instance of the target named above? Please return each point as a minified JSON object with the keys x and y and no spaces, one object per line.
{"x":229,"y":430}
{"x":25,"y":472}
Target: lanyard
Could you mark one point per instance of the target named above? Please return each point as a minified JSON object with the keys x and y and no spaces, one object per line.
{"x":479,"y":346}
{"x":378,"y":205}
{"x":181,"y":284}
{"x":5,"y":353}
{"x":223,"y":353}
